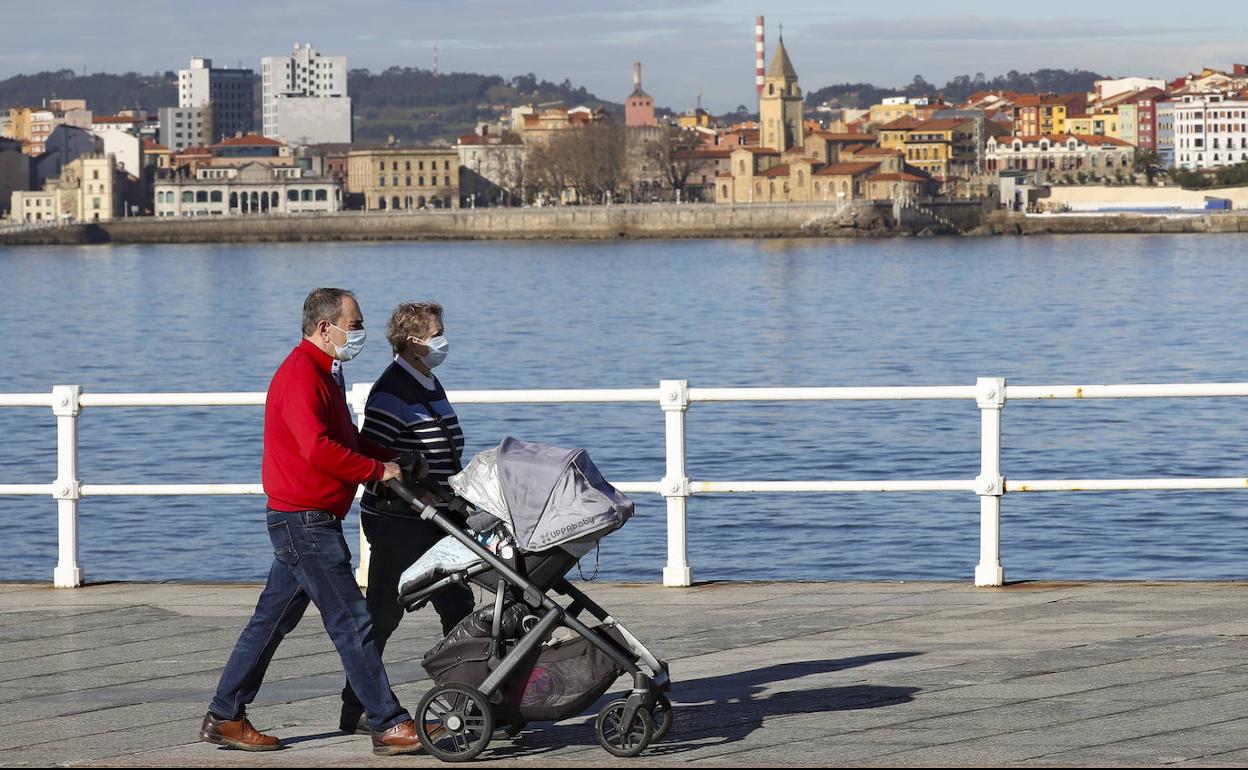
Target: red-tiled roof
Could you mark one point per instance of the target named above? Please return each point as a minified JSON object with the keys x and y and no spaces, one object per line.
{"x":115,"y":119}
{"x":1062,"y":139}
{"x":844,"y":137}
{"x":248,"y":140}
{"x":903,"y":123}
{"x":878,"y":151}
{"x":846,"y":169}
{"x":759,"y":150}
{"x":490,"y":139}
{"x":896,"y":177}
{"x":152,"y":144}
{"x":781,"y":170}
{"x":943,"y":124}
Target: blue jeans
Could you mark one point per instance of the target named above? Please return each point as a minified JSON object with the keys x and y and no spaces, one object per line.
{"x":395,"y":543}
{"x":311,"y":563}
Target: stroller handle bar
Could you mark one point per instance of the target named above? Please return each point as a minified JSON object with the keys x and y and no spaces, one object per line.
{"x":409,"y":497}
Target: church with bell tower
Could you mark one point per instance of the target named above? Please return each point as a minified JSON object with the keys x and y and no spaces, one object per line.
{"x":795,"y":161}
{"x":780,"y":106}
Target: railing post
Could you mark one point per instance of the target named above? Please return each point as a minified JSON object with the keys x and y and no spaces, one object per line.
{"x":674,"y":400}
{"x":357,"y":397}
{"x":990,"y":484}
{"x":67,"y":489}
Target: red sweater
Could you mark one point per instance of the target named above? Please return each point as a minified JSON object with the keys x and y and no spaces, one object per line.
{"x":314,"y":458}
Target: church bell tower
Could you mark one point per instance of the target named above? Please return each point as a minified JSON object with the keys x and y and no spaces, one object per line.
{"x":780,"y":105}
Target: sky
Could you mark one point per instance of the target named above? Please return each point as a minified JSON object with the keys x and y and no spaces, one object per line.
{"x":685,"y":47}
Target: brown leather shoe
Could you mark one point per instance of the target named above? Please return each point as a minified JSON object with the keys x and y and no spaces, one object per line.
{"x":400,"y":739}
{"x":236,"y":733}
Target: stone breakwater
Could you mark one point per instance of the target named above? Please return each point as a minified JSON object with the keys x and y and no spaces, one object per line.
{"x":625,"y":222}
{"x":1005,"y":223}
{"x":565,"y":222}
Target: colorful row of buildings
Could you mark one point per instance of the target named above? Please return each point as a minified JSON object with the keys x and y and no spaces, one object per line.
{"x":202,"y":159}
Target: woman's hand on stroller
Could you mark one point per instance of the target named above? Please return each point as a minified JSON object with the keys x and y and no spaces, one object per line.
{"x":413,"y":465}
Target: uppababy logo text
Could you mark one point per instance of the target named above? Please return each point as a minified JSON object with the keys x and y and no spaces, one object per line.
{"x":568,"y":529}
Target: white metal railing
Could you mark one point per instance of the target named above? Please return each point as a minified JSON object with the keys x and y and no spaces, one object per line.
{"x":674,"y":398}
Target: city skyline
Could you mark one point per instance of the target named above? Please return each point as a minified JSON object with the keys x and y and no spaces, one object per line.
{"x":595,"y":46}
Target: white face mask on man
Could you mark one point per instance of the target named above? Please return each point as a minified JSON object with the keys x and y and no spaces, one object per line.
{"x":355,"y":343}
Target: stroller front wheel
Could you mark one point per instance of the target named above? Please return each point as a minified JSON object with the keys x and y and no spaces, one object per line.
{"x":662,"y":717}
{"x":618,"y":738}
{"x":455,"y":722}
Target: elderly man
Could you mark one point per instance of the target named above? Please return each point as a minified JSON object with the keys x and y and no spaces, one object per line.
{"x":407,"y":411}
{"x":314,"y":460}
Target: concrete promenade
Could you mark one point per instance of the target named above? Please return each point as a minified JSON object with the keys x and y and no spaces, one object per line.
{"x":883,"y":674}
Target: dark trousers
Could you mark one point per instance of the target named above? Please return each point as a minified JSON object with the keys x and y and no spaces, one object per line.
{"x":311,"y":563}
{"x":395,"y":544}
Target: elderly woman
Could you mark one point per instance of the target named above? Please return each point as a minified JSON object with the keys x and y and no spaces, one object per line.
{"x":408,"y":412}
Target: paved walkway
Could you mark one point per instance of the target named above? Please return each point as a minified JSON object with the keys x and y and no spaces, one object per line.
{"x":886,"y":674}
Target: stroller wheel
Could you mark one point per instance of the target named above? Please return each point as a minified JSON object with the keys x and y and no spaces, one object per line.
{"x":662,"y":714}
{"x":620,"y":739}
{"x":454,"y":722}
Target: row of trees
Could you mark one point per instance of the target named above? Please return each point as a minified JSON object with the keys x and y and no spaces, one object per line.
{"x":600,"y":163}
{"x":959,"y":87}
{"x":1227,"y":176}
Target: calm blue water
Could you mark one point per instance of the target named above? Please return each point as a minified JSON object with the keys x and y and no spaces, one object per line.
{"x":719,"y":313}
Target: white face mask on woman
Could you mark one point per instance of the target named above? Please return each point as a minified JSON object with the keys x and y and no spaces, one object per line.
{"x":439,"y":347}
{"x":355,"y":343}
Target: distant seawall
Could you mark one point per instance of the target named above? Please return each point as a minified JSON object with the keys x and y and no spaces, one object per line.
{"x":1004,"y":223}
{"x":623,"y":222}
{"x":562,"y":222}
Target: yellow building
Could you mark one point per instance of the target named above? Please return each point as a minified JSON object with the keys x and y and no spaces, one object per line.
{"x":19,"y":124}
{"x":698,"y":118}
{"x":893,"y":134}
{"x":942,"y":148}
{"x":539,"y":128}
{"x":890,"y":110}
{"x":90,"y":189}
{"x":403,"y":179}
{"x":1103,"y":123}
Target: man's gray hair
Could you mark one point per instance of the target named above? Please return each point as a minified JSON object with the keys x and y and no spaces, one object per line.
{"x":323,"y":305}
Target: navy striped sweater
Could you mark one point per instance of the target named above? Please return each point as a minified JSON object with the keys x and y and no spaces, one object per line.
{"x":404,"y":415}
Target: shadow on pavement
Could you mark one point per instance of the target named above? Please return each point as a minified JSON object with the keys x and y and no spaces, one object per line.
{"x":721,"y":710}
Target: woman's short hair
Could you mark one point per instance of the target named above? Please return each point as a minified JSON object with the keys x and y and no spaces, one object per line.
{"x":412,"y":319}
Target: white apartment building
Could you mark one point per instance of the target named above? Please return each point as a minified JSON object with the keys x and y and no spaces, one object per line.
{"x":1210,"y":131}
{"x":230,"y":94}
{"x":1051,"y":157}
{"x":182,"y":127}
{"x":305,"y":97}
{"x":1107,"y":89}
{"x":254,"y":188}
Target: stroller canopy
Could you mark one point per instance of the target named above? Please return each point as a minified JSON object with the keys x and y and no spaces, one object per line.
{"x":547,"y":496}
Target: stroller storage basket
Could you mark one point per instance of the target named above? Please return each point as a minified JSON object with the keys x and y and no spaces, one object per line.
{"x":567,"y":678}
{"x":560,"y":681}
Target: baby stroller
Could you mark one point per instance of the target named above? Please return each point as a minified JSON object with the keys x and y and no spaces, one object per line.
{"x":529,"y":512}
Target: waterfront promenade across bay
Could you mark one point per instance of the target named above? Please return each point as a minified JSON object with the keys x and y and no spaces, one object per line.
{"x":839,"y":673}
